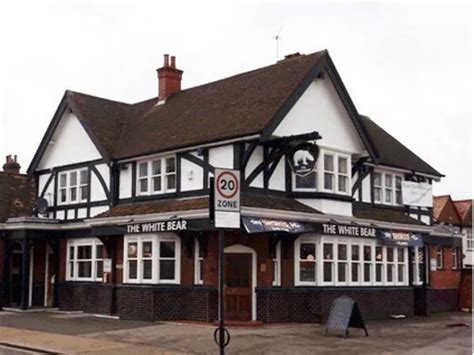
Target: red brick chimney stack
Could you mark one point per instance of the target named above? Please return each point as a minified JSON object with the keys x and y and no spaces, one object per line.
{"x":169,"y":78}
{"x":11,"y":166}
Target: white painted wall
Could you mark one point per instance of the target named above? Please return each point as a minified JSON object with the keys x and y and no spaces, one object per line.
{"x":49,"y":193}
{"x":98,"y":210}
{"x":97,"y":191}
{"x":60,"y":214}
{"x":425,"y":219}
{"x":82,"y":213}
{"x":222,"y":157}
{"x":329,"y":206}
{"x":70,"y":144}
{"x":125,"y":184}
{"x":277,"y":180}
{"x":366,"y":189}
{"x":255,"y":159}
{"x":320,"y":109}
{"x":192,"y":175}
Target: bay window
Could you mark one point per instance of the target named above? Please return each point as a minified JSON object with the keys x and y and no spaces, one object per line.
{"x":73,"y":186}
{"x":151,"y":258}
{"x":339,"y":261}
{"x":331,"y":174}
{"x":84,"y":260}
{"x":156,"y":176}
{"x":379,"y":264}
{"x":328,"y":172}
{"x":306,"y":266}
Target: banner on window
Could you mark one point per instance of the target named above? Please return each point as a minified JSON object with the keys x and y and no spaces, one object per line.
{"x":417,"y":194}
{"x":400,"y":238}
{"x":260,"y":225}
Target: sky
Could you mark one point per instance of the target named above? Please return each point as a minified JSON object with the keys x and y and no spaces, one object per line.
{"x":406,"y":65}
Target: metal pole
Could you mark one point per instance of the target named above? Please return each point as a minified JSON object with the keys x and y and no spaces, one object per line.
{"x":221,"y":293}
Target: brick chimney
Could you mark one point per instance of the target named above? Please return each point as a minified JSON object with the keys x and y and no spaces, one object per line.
{"x":11,"y":166}
{"x":169,"y":78}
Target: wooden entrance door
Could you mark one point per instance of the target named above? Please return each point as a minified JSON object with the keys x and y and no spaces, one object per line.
{"x":238,"y":286}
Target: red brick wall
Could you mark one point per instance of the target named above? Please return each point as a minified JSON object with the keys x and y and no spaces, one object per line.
{"x":465,"y":291}
{"x":447,"y":277}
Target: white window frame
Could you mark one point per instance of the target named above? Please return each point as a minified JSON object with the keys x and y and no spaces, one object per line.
{"x":469,"y":240}
{"x":439,"y":257}
{"x":75,"y":244}
{"x":454,"y":258}
{"x":320,"y":170}
{"x":384,"y":188}
{"x":68,"y":186}
{"x":298,"y":243}
{"x":331,"y":261}
{"x":149,"y":177}
{"x":156,"y":240}
{"x":392,"y":264}
{"x":416,"y":262}
{"x":198,"y":261}
{"x":277,"y":265}
{"x":319,"y":242}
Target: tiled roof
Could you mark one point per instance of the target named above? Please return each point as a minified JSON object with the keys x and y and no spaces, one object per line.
{"x":186,"y":204}
{"x":464,"y":208}
{"x":233,"y":107}
{"x":367,"y":211}
{"x":444,"y":210}
{"x":393,"y":153}
{"x":17,"y":196}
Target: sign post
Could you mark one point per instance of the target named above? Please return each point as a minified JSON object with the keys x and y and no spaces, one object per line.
{"x":226,"y":208}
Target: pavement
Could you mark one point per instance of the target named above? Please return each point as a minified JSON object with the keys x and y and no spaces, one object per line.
{"x":42,"y":332}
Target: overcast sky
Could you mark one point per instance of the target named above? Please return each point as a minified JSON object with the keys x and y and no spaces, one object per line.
{"x":408,"y":66}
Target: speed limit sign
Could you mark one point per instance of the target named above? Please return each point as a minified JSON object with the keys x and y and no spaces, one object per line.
{"x":227,"y":198}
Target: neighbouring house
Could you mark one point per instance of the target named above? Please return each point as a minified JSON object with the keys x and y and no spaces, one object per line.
{"x":331,"y":204}
{"x":455,"y":218}
{"x":17,"y":196}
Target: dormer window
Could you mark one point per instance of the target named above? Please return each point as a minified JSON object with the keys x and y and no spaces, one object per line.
{"x":156,"y":176}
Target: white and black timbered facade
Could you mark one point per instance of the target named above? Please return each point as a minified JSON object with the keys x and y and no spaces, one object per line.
{"x":124,"y":209}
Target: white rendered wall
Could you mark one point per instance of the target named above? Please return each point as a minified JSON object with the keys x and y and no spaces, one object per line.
{"x":366,"y":189}
{"x":341,"y":208}
{"x":125,"y":184}
{"x":255,"y":159}
{"x":98,"y":210}
{"x":192,"y":175}
{"x":70,"y":144}
{"x":97,"y":191}
{"x":222,"y":157}
{"x":425,"y":219}
{"x":277,"y":180}
{"x":49,"y":193}
{"x":320,"y":109}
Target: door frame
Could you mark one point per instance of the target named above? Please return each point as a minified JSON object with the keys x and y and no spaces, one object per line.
{"x":242,"y":249}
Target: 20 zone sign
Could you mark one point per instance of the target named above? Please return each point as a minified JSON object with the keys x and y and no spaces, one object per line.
{"x":227,"y":190}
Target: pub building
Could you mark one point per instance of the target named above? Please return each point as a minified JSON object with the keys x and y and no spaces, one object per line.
{"x":331,"y":204}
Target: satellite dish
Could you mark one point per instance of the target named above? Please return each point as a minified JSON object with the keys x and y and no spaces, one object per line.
{"x":41,"y":205}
